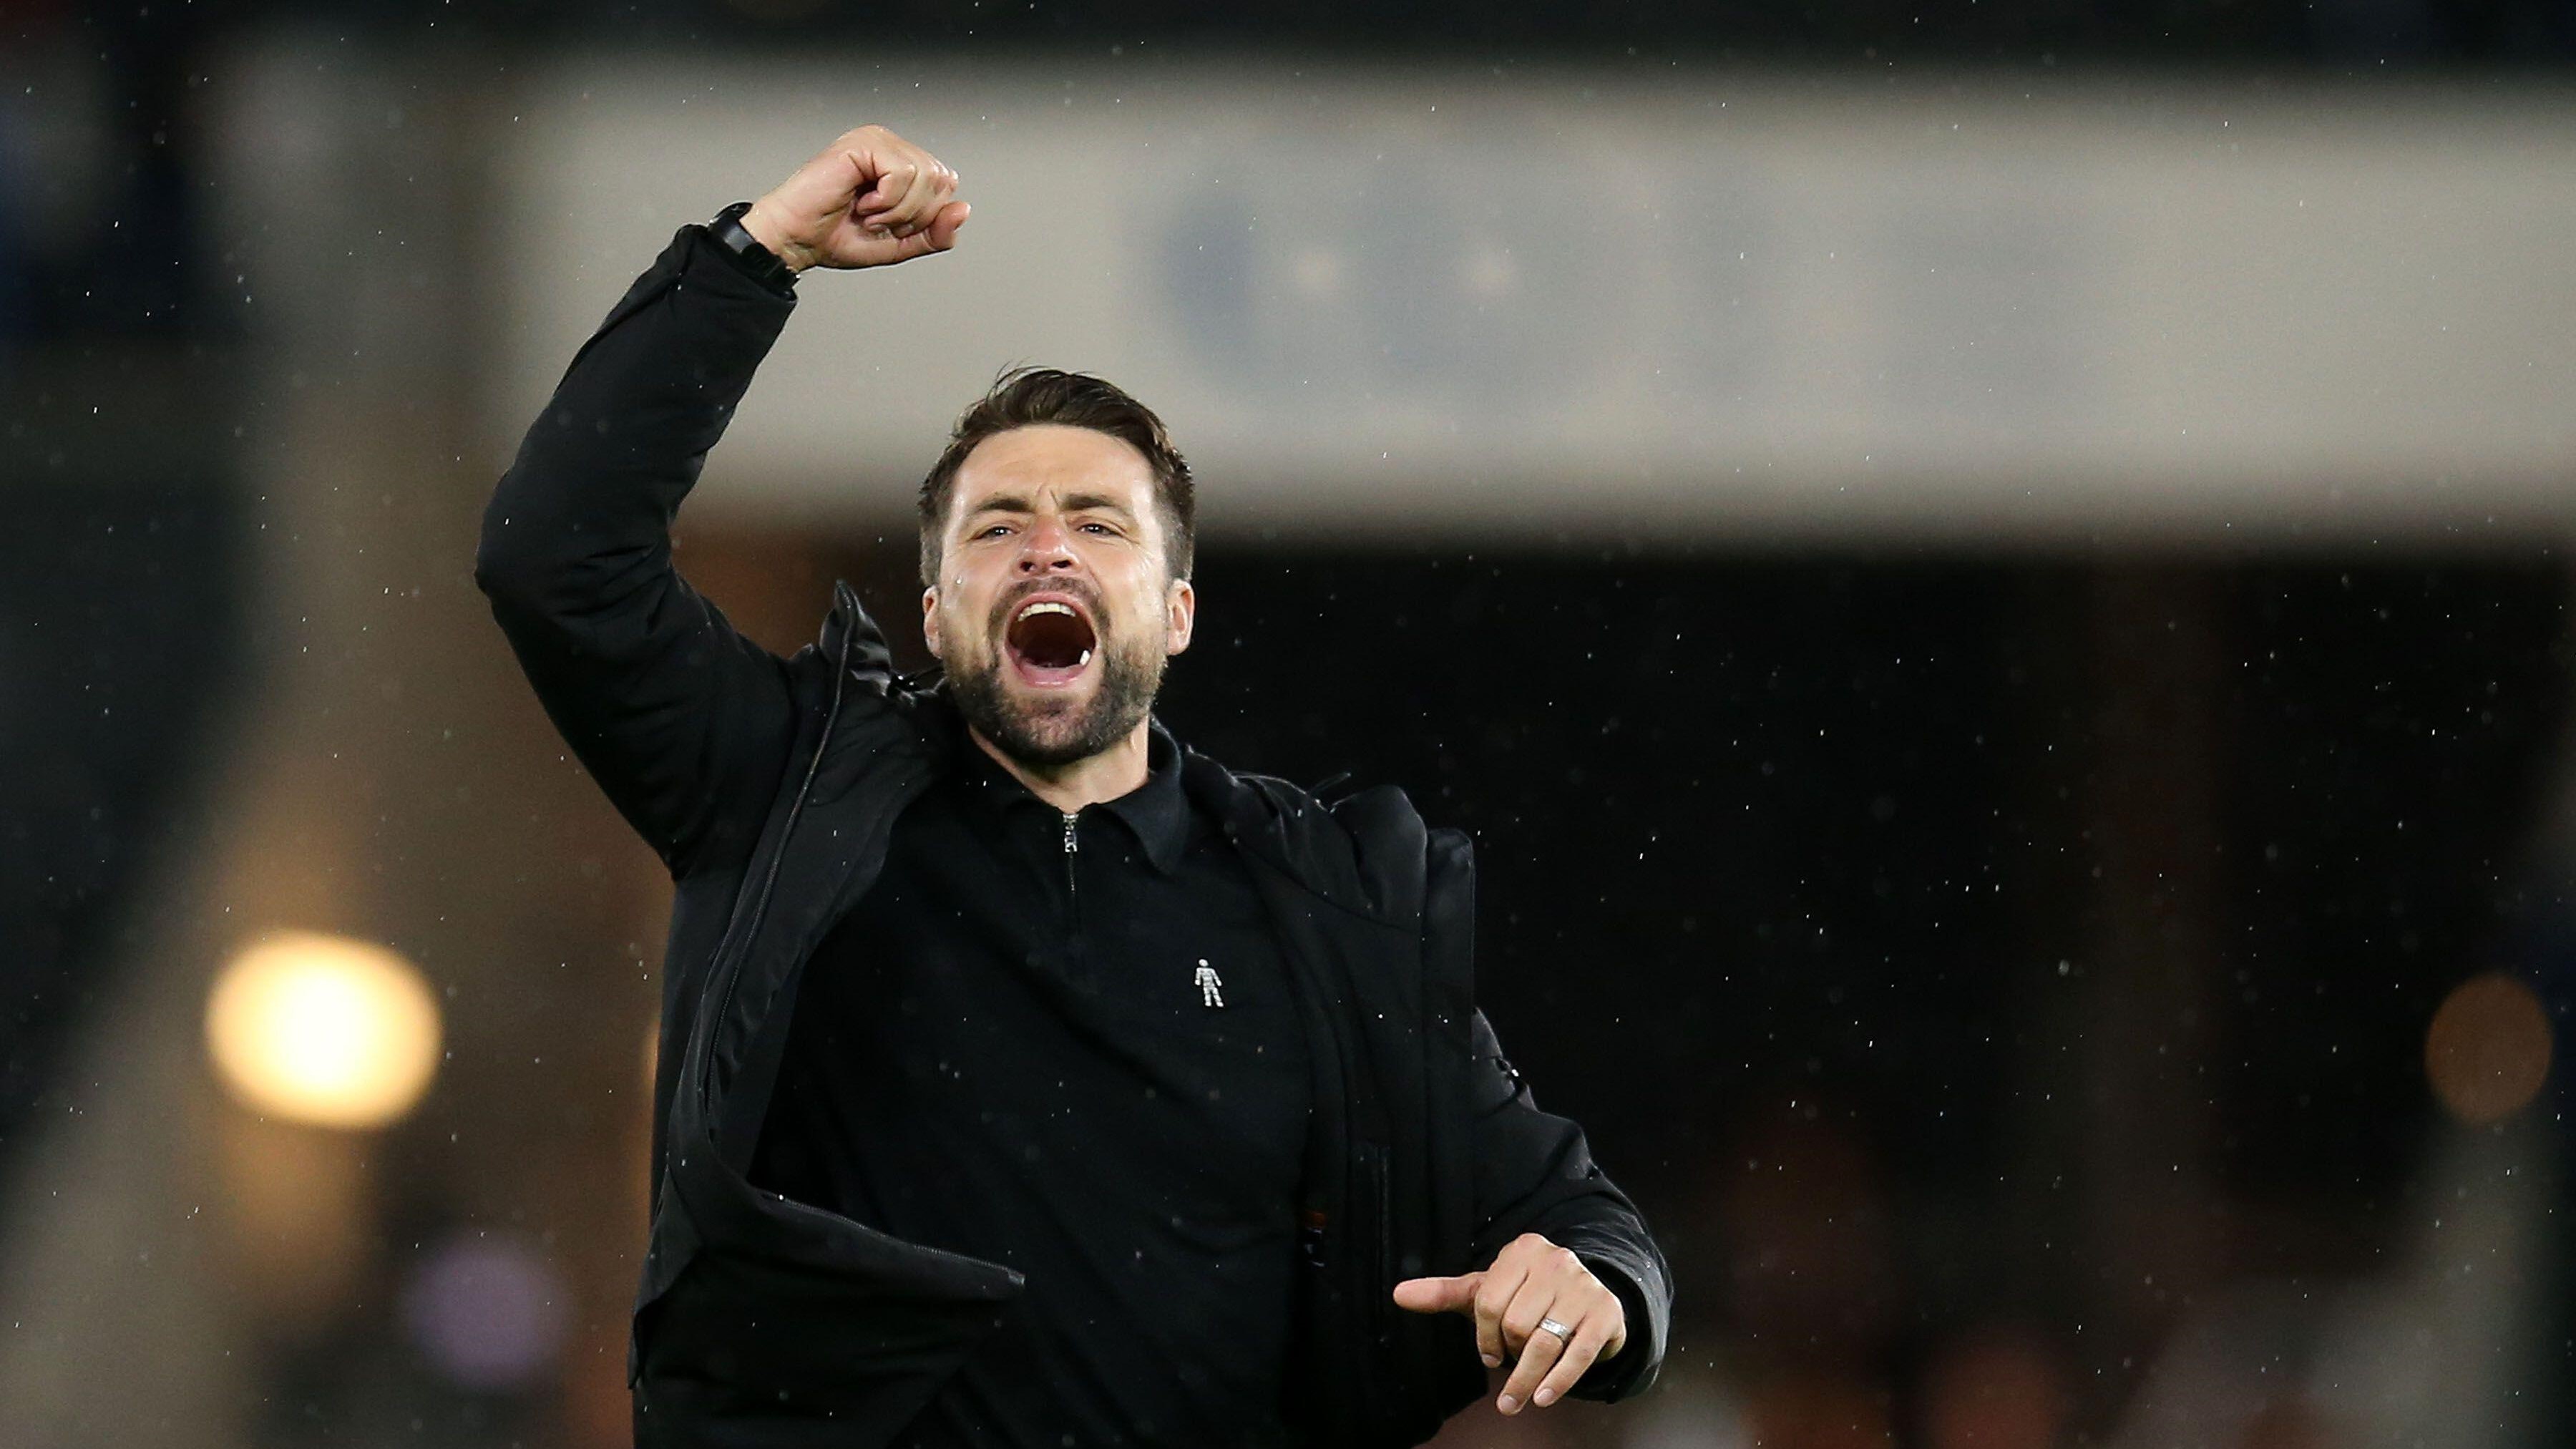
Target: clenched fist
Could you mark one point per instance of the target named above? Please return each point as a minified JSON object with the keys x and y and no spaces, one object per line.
{"x":869,"y":199}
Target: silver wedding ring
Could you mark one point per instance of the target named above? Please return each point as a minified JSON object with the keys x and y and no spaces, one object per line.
{"x":1560,"y":1330}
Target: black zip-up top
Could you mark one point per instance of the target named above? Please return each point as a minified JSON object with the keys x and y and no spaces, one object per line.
{"x":770,"y":788}
{"x":1066,"y":1043}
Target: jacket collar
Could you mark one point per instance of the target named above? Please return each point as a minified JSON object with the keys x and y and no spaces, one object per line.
{"x":847,"y":622}
{"x":1264,"y":816}
{"x":1157,"y":810}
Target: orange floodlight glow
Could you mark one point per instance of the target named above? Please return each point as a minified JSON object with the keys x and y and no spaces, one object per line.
{"x":323,"y":1030}
{"x":2488,"y":1049}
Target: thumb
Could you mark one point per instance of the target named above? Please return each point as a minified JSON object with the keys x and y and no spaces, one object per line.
{"x":942,"y":230}
{"x":1439,"y":1295}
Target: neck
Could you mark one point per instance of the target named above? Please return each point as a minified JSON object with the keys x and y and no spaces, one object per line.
{"x":1068,"y":787}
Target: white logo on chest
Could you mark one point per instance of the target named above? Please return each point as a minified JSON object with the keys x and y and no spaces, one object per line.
{"x":1211,"y":990}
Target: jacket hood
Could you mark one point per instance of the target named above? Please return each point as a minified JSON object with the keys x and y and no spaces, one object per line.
{"x":1363,"y":852}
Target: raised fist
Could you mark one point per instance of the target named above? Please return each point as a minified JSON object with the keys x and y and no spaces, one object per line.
{"x":870,"y":198}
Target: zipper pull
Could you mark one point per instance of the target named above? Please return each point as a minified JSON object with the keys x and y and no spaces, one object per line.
{"x":1072,"y":887}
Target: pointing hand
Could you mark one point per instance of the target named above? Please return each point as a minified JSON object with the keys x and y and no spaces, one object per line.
{"x":1531,"y":1280}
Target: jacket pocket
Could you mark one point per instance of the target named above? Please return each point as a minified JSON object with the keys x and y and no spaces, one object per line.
{"x":739,"y":1336}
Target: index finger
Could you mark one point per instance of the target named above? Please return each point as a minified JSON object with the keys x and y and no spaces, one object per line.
{"x":922,"y":207}
{"x":895,"y":184}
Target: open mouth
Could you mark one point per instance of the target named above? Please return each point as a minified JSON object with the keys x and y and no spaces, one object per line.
{"x":1050,"y":642}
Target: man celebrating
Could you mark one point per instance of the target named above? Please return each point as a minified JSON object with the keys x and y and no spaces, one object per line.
{"x":1027,"y":1079}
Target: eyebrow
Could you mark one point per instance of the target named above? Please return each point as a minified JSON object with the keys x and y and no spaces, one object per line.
{"x":1073,"y":503}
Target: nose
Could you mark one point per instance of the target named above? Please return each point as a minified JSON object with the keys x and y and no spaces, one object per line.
{"x":1046,"y":549}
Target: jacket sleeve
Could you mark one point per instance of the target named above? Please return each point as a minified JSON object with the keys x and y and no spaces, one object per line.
{"x":684,"y":722}
{"x":1534,"y":1173}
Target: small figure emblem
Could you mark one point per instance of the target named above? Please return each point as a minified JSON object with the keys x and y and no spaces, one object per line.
{"x":1211,"y":990}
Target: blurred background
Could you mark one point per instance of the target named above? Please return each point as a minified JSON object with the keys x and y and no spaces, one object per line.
{"x":1991,"y":580}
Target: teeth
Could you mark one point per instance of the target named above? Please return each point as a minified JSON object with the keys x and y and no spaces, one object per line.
{"x":1046,"y":606}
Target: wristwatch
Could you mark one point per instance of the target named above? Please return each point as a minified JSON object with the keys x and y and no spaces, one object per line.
{"x":762,"y":263}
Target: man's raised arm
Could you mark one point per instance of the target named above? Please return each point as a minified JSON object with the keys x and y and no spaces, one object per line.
{"x":684,"y":722}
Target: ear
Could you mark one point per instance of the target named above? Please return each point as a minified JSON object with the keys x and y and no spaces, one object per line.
{"x":1181,"y":615}
{"x":930,"y":622}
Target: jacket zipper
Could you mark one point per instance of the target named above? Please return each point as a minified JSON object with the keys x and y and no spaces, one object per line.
{"x":1069,"y":848}
{"x":760,"y":903}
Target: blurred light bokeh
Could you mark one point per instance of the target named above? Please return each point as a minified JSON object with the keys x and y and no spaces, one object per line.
{"x":324,"y":1031}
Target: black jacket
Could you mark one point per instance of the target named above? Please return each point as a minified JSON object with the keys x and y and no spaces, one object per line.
{"x":769,"y":787}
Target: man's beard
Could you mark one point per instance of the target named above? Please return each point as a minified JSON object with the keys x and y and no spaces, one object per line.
{"x":1049,"y":734}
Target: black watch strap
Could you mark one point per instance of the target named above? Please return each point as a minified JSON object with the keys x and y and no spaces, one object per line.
{"x":762,"y":263}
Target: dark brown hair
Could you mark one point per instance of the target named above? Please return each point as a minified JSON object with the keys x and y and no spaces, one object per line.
{"x":1025,"y":396}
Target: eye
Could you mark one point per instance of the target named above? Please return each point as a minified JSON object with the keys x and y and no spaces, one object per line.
{"x":1100,"y":527}
{"x":988,"y":532}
